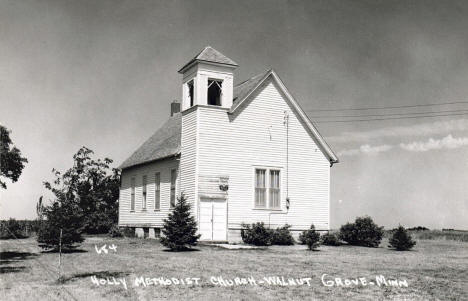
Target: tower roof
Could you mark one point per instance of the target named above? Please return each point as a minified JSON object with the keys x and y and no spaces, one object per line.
{"x":209,"y":54}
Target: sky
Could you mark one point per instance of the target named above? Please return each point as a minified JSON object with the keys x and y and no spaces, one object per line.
{"x":102,"y":74}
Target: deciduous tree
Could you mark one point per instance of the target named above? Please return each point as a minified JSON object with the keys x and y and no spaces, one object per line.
{"x":93,"y":186}
{"x":11,"y":160}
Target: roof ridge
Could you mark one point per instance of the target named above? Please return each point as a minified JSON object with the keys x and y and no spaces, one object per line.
{"x":209,"y":54}
{"x":198,"y":54}
{"x":164,"y":142}
{"x":251,"y":78}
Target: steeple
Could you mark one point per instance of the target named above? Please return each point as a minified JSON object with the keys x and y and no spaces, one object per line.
{"x":208,"y":80}
{"x":209,"y":55}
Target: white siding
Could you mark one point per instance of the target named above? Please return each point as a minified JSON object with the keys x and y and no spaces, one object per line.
{"x":256,"y":136}
{"x":150,"y":217}
{"x":188,"y":159}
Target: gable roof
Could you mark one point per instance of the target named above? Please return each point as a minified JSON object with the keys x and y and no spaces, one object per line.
{"x":209,"y":54}
{"x":246,"y":87}
{"x":166,"y":141}
{"x":255,"y":83}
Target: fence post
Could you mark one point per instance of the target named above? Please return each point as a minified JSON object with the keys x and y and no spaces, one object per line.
{"x":60,"y":254}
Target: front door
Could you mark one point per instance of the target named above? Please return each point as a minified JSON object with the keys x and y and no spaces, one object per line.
{"x":213,"y":219}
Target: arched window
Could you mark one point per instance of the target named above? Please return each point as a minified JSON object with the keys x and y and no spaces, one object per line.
{"x":190,"y":92}
{"x":214,"y":92}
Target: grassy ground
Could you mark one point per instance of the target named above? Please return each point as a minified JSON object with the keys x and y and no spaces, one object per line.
{"x":456,"y":235}
{"x":434,"y":270}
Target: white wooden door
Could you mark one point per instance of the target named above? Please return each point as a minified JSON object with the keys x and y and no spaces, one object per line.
{"x":213,"y":219}
{"x":206,"y":225}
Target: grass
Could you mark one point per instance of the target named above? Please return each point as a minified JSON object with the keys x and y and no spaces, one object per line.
{"x":456,"y":235}
{"x":434,"y":270}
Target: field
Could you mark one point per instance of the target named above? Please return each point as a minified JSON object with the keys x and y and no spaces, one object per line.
{"x":437,"y":234}
{"x":434,"y":270}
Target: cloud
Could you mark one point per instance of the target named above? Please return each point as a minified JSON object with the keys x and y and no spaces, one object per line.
{"x":422,"y":129}
{"x":447,"y":142}
{"x":366,"y":149}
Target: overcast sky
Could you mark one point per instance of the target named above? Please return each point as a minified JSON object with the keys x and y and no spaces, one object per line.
{"x":103,"y":73}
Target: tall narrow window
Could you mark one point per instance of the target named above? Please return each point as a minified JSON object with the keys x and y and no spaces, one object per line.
{"x":132,"y":194}
{"x":260,"y":195}
{"x":214,"y":92}
{"x":157,"y":191}
{"x":173,"y":187}
{"x":143,"y":201}
{"x":190,"y":92}
{"x":274,"y":189}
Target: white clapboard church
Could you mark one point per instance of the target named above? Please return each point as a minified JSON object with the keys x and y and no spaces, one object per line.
{"x":240,"y":154}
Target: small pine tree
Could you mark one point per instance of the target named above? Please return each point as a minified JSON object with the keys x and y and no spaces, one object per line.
{"x":401,"y":240}
{"x":310,"y":237}
{"x":180,"y":227}
{"x":60,"y":215}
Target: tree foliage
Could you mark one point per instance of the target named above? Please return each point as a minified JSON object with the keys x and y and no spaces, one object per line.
{"x":93,"y":186}
{"x":180,"y":227}
{"x":363,"y":232}
{"x":11,"y":160}
{"x":11,"y":229}
{"x":401,"y":240}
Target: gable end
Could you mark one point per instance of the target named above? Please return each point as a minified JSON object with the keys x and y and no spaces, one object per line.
{"x":332,"y":158}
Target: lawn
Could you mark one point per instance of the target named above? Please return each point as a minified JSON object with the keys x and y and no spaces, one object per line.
{"x":434,"y":270}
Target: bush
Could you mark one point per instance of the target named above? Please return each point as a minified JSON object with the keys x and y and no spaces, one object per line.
{"x":282,"y":236}
{"x":330,"y":239}
{"x":115,"y":231}
{"x":257,"y":234}
{"x":363,"y":232}
{"x":302,"y":238}
{"x":401,"y":240}
{"x":128,"y":231}
{"x":418,"y":228}
{"x":310,"y":237}
{"x":11,"y":229}
{"x":180,"y":227}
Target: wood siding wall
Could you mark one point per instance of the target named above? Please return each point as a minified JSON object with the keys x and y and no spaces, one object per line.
{"x":256,"y":136}
{"x":188,"y":159}
{"x":150,"y":217}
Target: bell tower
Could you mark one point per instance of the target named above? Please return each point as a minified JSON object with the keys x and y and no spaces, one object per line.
{"x":207,"y":87}
{"x":208,"y":80}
